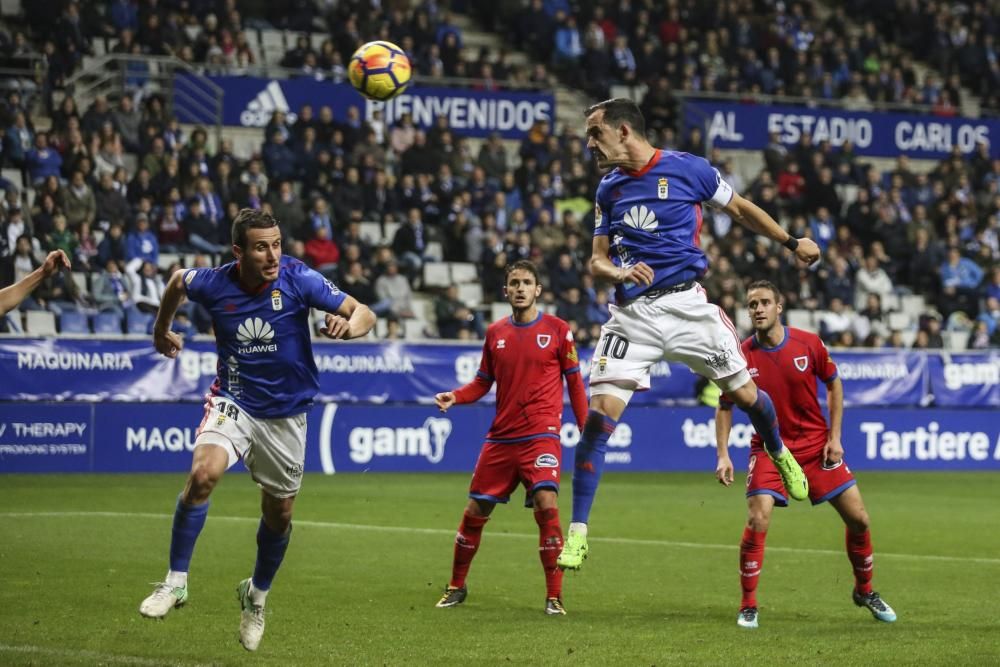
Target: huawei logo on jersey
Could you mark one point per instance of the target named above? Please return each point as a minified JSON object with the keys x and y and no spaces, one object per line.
{"x":256,"y":334}
{"x":642,"y":218}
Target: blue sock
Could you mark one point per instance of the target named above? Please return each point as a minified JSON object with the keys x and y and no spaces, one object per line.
{"x":589,"y":462}
{"x":188,"y":522}
{"x":765,"y":421}
{"x":270,"y":552}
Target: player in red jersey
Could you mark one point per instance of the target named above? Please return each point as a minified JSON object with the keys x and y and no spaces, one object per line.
{"x":527,"y":355}
{"x":786,"y":363}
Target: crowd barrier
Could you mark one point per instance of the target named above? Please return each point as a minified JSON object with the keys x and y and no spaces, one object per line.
{"x":116,"y":406}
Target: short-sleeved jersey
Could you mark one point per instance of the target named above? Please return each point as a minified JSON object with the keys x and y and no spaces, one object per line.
{"x":654,"y":216}
{"x":788,"y":373}
{"x":527,"y":362}
{"x":263,"y":340}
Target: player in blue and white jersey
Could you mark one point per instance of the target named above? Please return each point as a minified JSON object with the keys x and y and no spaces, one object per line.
{"x":646,"y":241}
{"x":256,"y":409}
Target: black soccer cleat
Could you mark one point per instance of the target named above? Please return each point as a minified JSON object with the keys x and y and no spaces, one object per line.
{"x":554,"y":607}
{"x":452,"y":597}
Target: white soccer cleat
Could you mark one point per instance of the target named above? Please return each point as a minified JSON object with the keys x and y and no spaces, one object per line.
{"x":251,"y":618}
{"x":163,"y":598}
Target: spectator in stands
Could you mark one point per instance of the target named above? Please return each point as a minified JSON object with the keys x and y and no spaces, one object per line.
{"x":322,"y":252}
{"x":960,"y":278}
{"x":78,"y":202}
{"x":454,"y":318}
{"x":394,"y":288}
{"x":110,"y":206}
{"x":871,"y":278}
{"x":141,"y":243}
{"x":61,"y":237}
{"x":146,"y":285}
{"x":202,"y":232}
{"x":112,"y":247}
{"x":42,"y":161}
{"x":410,"y":242}
{"x":110,"y":289}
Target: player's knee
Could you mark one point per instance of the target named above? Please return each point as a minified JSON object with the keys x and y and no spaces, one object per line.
{"x":201,"y":481}
{"x":278,"y":518}
{"x":759,"y":522}
{"x":544,"y":499}
{"x":859,"y":523}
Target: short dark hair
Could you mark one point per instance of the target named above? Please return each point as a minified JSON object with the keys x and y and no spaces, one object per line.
{"x":520,"y":265}
{"x":249,"y":218}
{"x":620,"y":110}
{"x":766,"y":284}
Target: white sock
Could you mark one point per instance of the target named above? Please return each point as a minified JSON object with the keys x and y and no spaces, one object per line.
{"x":578,"y":528}
{"x":257,"y":596}
{"x":177,"y":579}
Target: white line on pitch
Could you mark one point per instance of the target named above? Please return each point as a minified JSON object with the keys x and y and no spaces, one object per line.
{"x":93,"y":657}
{"x":443,"y":531}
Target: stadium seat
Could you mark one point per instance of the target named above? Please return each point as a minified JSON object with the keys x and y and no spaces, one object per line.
{"x":955,"y":341}
{"x":166,"y":259}
{"x":81,"y":280}
{"x":137,"y":322}
{"x":499,"y":310}
{"x":390,"y":229}
{"x":414,"y":329}
{"x":891,"y":302}
{"x":433,"y":251}
{"x":40,"y":322}
{"x":800,"y":319}
{"x":436,"y":274}
{"x":743,"y":323}
{"x":471,"y":294}
{"x":913,"y":304}
{"x":107,"y":323}
{"x":73,"y":321}
{"x":899,"y":321}
{"x":15,"y":321}
{"x":14,"y":176}
{"x":464,"y":272}
{"x":371,"y":232}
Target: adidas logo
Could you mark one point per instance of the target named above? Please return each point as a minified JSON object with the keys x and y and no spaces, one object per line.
{"x":259,"y":109}
{"x":642,"y":218}
{"x":256,"y":330}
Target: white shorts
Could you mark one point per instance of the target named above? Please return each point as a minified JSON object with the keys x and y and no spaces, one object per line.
{"x":274,"y":450}
{"x":681,"y":326}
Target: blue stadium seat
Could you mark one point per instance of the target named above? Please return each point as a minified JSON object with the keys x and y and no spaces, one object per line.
{"x":107,"y":323}
{"x":137,"y":322}
{"x":73,"y":321}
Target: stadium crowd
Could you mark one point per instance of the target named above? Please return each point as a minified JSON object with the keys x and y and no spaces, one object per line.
{"x":116,"y":184}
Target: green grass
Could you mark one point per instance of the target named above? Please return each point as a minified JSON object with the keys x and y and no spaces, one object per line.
{"x":351,"y":593}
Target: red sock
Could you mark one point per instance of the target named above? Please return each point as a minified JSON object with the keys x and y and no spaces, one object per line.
{"x":550,"y":542}
{"x":751,"y":561}
{"x":470,"y":531}
{"x":859,"y":550}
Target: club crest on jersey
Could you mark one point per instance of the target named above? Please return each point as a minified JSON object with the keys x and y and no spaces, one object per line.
{"x":275,"y":299}
{"x":543,"y":340}
{"x":662,"y":188}
{"x":502,"y":343}
{"x":801,"y":363}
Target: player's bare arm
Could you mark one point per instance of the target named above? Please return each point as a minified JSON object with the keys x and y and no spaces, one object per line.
{"x":353,"y":319}
{"x":756,"y":219}
{"x":602,"y":268}
{"x":13,"y":295}
{"x":724,"y":465}
{"x":166,"y":342}
{"x":833,"y":451}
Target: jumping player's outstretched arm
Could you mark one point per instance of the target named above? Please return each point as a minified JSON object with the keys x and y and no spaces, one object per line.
{"x":12,"y":295}
{"x":723,"y":425}
{"x":165,"y":341}
{"x":757,"y":220}
{"x":352,"y":319}
{"x":602,"y":268}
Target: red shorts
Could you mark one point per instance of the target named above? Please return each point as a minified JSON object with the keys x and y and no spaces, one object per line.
{"x":824,"y":483}
{"x":501,"y":466}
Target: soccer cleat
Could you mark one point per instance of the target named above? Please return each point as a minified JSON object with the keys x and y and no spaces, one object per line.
{"x":574,"y":551}
{"x":163,"y":598}
{"x":251,"y":618}
{"x":452,"y":597}
{"x":747,"y":618}
{"x":791,"y":474}
{"x":554,"y":607}
{"x":876,"y":605}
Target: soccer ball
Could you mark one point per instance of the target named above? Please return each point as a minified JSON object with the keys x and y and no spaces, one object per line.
{"x":379,"y":70}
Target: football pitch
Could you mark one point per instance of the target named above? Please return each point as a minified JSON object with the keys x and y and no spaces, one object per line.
{"x":370,"y":554}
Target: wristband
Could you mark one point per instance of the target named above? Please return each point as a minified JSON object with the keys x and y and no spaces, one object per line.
{"x":791,"y":243}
